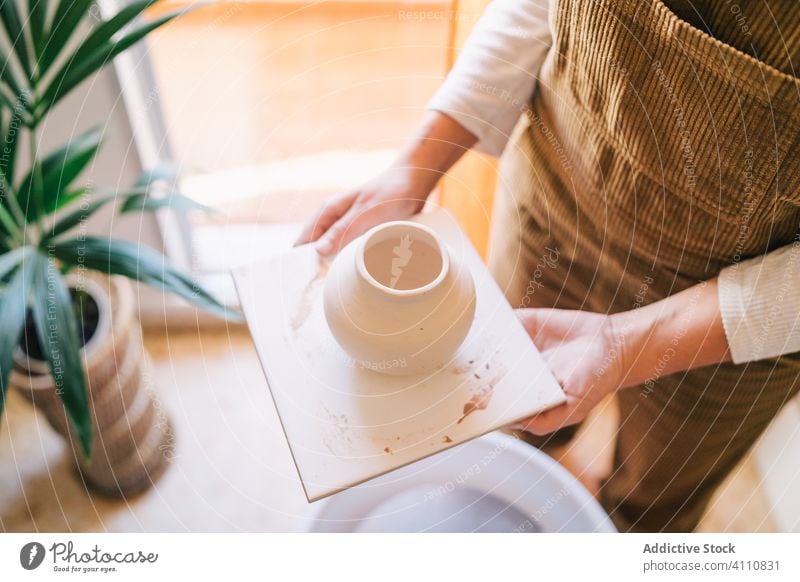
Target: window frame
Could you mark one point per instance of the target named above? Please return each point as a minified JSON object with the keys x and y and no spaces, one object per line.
{"x":137,"y":84}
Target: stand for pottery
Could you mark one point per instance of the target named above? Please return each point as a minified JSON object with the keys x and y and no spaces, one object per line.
{"x":346,"y":424}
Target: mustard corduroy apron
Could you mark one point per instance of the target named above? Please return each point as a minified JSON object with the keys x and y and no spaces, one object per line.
{"x":654,"y":155}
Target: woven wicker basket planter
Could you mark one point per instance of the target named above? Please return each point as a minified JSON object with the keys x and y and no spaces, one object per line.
{"x":132,"y":439}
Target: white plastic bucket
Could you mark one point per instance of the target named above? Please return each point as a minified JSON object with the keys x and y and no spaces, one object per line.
{"x":493,"y":484}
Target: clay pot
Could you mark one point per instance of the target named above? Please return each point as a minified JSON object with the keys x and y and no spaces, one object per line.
{"x":132,"y":439}
{"x":397,"y":301}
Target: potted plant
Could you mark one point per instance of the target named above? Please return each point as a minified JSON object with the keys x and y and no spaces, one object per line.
{"x":69,"y":337}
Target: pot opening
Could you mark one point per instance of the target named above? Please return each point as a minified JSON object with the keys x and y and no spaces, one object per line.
{"x":87,"y":314}
{"x":403,"y":257}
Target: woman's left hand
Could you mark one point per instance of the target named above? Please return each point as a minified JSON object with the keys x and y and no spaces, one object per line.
{"x":593,"y":355}
{"x":584,"y":352}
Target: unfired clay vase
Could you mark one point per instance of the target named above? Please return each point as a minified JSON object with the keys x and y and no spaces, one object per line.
{"x":396,"y":300}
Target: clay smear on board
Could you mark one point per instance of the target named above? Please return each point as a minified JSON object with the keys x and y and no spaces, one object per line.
{"x":306,"y":303}
{"x":479,"y":401}
{"x":474,"y":366}
{"x":463,"y":368}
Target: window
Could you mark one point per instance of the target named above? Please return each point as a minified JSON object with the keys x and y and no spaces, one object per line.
{"x":273,"y":106}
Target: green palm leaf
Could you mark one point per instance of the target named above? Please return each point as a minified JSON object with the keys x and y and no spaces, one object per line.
{"x":14,"y":84}
{"x":59,"y":169}
{"x":9,"y":148}
{"x":13,"y":309}
{"x":139,"y":198}
{"x":134,"y":201}
{"x":76,"y":70}
{"x":143,"y":264}
{"x":57,"y":331}
{"x":37,"y":13}
{"x":11,"y":104}
{"x":16,"y":37}
{"x":66,"y":19}
{"x":162,"y":172}
{"x":10,"y":260}
{"x":139,"y":201}
{"x":8,"y":228}
{"x":105,"y":31}
{"x":76,"y":217}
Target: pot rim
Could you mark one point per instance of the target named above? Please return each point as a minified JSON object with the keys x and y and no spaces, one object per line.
{"x":94,"y":289}
{"x":361,"y":266}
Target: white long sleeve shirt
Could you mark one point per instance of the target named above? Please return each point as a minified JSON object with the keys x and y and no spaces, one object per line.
{"x":494,"y":78}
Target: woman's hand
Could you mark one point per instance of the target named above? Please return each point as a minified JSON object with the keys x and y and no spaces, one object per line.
{"x":593,"y":355}
{"x":398,"y":193}
{"x":584,"y":353}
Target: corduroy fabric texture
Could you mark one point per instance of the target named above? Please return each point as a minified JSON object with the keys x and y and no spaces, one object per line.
{"x":654,"y":155}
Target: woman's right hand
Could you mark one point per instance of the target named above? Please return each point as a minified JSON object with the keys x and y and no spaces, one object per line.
{"x":397,"y":193}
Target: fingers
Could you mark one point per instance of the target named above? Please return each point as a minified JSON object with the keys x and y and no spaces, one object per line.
{"x":549,"y":327}
{"x":337,"y":235}
{"x":538,"y":323}
{"x":325,"y":218}
{"x":314,"y":228}
{"x":361,"y":215}
{"x":553,"y":419}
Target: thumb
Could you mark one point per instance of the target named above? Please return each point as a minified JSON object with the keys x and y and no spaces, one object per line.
{"x":549,"y":327}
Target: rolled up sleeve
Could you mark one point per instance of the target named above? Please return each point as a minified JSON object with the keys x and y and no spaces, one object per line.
{"x":760,"y":305}
{"x":495,"y":75}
